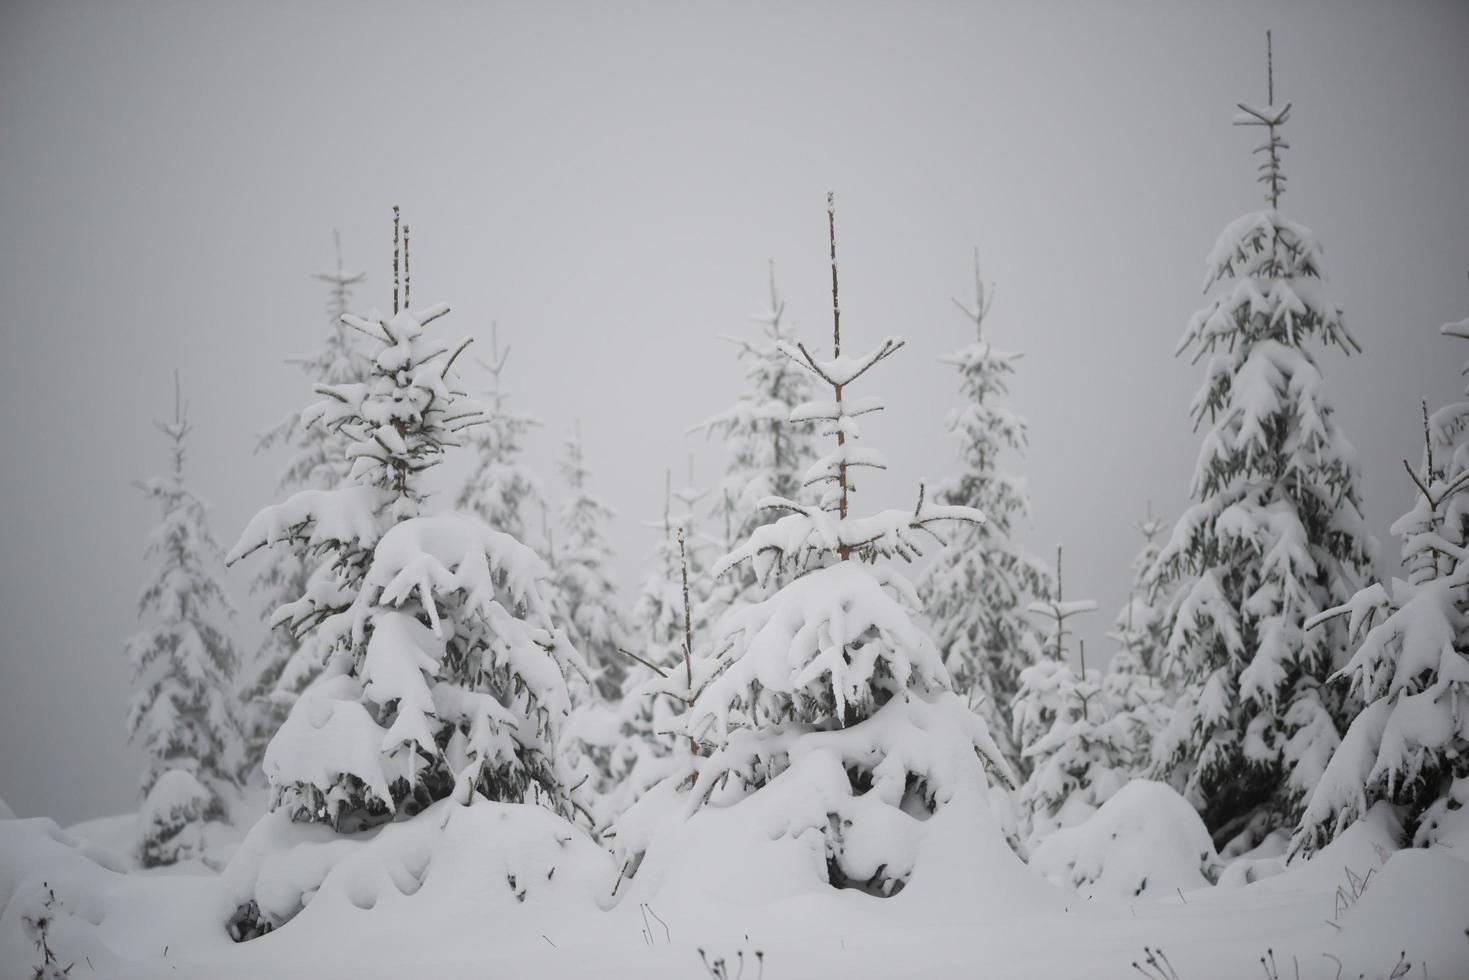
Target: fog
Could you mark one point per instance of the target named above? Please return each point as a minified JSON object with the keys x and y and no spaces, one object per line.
{"x":608,"y":182}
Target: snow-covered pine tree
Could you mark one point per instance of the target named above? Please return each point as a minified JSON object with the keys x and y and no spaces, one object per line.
{"x":1034,"y":708}
{"x":1069,"y":743}
{"x":1081,"y":760}
{"x":661,"y":625}
{"x":1449,"y":444}
{"x":673,"y":619}
{"x":582,"y":577}
{"x":1275,"y":535}
{"x":766,"y":447}
{"x":657,"y":613}
{"x":443,"y":674}
{"x":976,"y":591}
{"x":607,"y":740}
{"x":1409,"y":746}
{"x":1134,"y":682}
{"x":181,"y":713}
{"x":828,"y":691}
{"x":501,"y":489}
{"x":1140,"y":628}
{"x":658,"y":765}
{"x":317,"y":461}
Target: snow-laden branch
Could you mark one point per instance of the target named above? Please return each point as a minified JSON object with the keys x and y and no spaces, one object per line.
{"x":840,"y":371}
{"x":800,"y":539}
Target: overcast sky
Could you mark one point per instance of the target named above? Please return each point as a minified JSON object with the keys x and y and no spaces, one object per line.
{"x":608,"y":181}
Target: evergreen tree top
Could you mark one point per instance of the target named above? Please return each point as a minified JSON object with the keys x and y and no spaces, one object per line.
{"x":584,"y":513}
{"x":1272,"y":117}
{"x":314,"y":460}
{"x":1273,"y":263}
{"x":808,"y":535}
{"x":396,"y":424}
{"x":501,"y":489}
{"x":766,"y":449}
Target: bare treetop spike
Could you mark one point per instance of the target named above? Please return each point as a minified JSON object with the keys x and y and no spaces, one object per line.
{"x":836,"y":306}
{"x":1269,"y":69}
{"x":396,"y":236}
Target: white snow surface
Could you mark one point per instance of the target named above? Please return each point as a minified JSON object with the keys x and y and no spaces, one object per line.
{"x":1144,"y":842}
{"x":434,"y":894}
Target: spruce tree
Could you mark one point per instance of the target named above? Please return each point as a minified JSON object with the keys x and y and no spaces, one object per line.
{"x":582,"y":577}
{"x":181,"y":713}
{"x":607,"y":740}
{"x":1448,"y":435}
{"x":976,"y":591}
{"x":444,"y":676}
{"x":318,"y":461}
{"x":1073,"y":750}
{"x":1139,"y":628}
{"x":1084,"y":755}
{"x":1135,"y":680}
{"x":831,"y":675}
{"x":1033,"y":711}
{"x":660,"y":760}
{"x":501,"y":489}
{"x":1276,"y":533}
{"x":673,"y":617}
{"x":1409,"y":746}
{"x":766,"y":448}
{"x":641,"y":747}
{"x":660,"y":624}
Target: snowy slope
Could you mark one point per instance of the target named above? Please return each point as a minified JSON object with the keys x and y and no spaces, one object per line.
{"x":437,"y":892}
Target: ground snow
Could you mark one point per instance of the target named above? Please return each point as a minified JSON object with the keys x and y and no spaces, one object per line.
{"x":435,"y":892}
{"x":451,"y":872}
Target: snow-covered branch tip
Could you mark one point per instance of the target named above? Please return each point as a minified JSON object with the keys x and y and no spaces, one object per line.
{"x":809,"y":531}
{"x":1458,"y":484}
{"x":1256,"y":116}
{"x":841,"y":371}
{"x":444,"y":374}
{"x":431,"y":314}
{"x":364,"y":327}
{"x":1326,"y":616}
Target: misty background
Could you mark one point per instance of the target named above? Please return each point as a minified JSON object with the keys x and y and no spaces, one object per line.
{"x":608,"y":183}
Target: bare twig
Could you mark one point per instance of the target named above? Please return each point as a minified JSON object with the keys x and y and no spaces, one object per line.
{"x":688,"y":634}
{"x":667,"y":935}
{"x":646,"y":663}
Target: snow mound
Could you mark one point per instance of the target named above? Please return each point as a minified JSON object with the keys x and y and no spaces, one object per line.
{"x":5,"y":812}
{"x":173,"y":817}
{"x":518,"y":865}
{"x":27,"y":846}
{"x":770,"y":858}
{"x":1413,"y":907}
{"x":47,"y":873}
{"x":1145,"y":841}
{"x":1364,"y":846}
